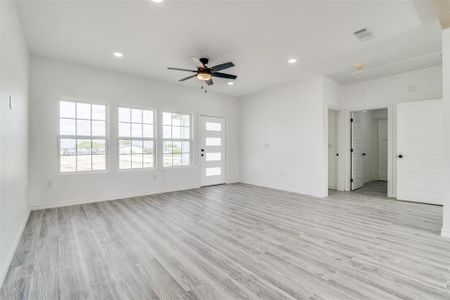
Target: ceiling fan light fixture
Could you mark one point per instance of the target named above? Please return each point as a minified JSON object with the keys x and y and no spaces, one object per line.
{"x":204,"y":76}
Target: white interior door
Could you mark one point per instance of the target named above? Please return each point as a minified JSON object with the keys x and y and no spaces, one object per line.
{"x":212,"y":150}
{"x":382,"y":149}
{"x":420,"y":151}
{"x":357,"y":153}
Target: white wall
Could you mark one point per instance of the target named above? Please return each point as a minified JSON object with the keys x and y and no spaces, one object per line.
{"x":379,"y":93}
{"x":423,"y":84}
{"x":284,"y":142}
{"x":446,"y":131}
{"x":14,"y":207}
{"x":51,"y":80}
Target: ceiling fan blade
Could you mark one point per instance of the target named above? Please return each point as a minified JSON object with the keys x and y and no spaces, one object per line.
{"x":197,"y":62}
{"x":178,"y":69}
{"x":209,"y":82}
{"x":223,"y":75}
{"x":186,"y":78}
{"x":222,"y":66}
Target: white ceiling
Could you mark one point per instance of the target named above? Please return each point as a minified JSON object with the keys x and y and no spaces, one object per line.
{"x":258,"y":36}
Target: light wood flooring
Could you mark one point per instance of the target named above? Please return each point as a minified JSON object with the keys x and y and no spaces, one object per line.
{"x":374,"y":188}
{"x":233,"y":242}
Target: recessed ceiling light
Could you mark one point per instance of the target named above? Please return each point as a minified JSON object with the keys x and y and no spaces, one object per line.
{"x":157,"y":1}
{"x":118,"y":54}
{"x":292,"y":60}
{"x":230,"y":83}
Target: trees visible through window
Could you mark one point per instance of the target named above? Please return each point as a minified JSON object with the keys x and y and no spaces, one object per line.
{"x":82,"y":136}
{"x":136,"y":138}
{"x":176,"y":134}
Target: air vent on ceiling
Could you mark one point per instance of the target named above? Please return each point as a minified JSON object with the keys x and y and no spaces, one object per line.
{"x":363,"y":34}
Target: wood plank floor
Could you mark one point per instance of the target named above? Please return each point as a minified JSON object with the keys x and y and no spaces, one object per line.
{"x":374,"y":188}
{"x":233,"y":242}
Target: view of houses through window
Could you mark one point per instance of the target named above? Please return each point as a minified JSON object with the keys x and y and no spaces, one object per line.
{"x":83,"y":138}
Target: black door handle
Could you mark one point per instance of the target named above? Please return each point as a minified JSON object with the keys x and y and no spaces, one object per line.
{"x":337,"y":154}
{"x":203,"y":154}
{"x":363,"y":154}
{"x":400,"y":156}
{"x":203,"y":150}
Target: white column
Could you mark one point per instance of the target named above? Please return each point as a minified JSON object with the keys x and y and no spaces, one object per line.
{"x":446,"y":94}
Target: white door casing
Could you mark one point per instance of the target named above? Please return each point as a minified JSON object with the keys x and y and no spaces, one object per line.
{"x":420,"y":175}
{"x":382,"y":149}
{"x":357,"y":144}
{"x":212,"y":150}
{"x":332,"y":148}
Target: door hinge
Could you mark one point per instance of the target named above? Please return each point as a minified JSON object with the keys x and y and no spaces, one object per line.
{"x":351,"y":180}
{"x":351,"y":150}
{"x":351,"y":120}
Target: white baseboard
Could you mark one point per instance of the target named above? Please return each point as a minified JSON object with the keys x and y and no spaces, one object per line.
{"x":93,"y":200}
{"x":305,"y":193}
{"x":445,"y":232}
{"x":12,"y":250}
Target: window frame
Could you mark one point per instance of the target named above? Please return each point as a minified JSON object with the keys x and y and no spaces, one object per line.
{"x":91,"y":137}
{"x":162,"y":139}
{"x":154,"y":139}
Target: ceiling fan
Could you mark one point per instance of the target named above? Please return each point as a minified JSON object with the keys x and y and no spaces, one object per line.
{"x":205,"y":73}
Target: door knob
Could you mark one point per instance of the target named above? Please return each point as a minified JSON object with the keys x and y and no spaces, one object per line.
{"x":400,"y":156}
{"x":203,"y":155}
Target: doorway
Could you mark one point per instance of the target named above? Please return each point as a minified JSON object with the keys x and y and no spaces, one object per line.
{"x":369,"y":152}
{"x":212,"y":150}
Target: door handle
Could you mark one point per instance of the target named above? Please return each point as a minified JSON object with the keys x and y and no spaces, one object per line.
{"x":400,"y":156}
{"x":363,"y":154}
{"x":203,"y":155}
{"x":203,"y":150}
{"x":337,"y":154}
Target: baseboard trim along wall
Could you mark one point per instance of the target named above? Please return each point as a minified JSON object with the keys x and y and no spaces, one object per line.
{"x":94,"y":200}
{"x":12,"y":250}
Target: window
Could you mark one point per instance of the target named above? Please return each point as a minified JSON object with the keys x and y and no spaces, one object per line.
{"x":176,"y":133}
{"x":136,"y":138}
{"x":82,"y":136}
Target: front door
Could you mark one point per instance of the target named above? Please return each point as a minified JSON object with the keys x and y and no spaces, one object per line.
{"x":212,"y":150}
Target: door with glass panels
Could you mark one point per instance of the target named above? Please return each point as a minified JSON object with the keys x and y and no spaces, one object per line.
{"x":212,"y":150}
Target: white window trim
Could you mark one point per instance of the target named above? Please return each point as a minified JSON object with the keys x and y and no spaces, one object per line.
{"x":162,"y":140}
{"x":154,"y":139}
{"x":59,"y":136}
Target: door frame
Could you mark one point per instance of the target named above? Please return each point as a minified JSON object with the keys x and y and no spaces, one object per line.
{"x":225,"y":156}
{"x":340,"y":169}
{"x":347,"y":141}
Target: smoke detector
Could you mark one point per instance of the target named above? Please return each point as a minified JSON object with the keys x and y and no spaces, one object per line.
{"x":363,"y":34}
